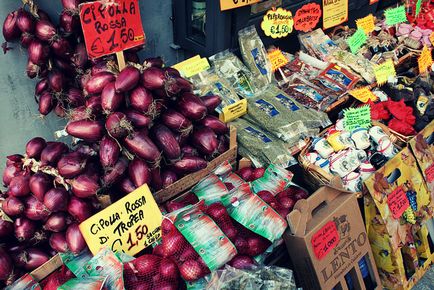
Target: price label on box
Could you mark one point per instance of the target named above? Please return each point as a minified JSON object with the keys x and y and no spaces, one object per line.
{"x":192,"y":66}
{"x":397,"y":202}
{"x":232,"y":4}
{"x":128,"y":225}
{"x":325,"y":240}
{"x":277,"y":59}
{"x":234,"y":111}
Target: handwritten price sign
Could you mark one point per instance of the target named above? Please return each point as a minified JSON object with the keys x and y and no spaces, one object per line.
{"x":111,"y":27}
{"x":307,"y":17}
{"x":232,"y":4}
{"x":277,"y":59}
{"x":325,"y":240}
{"x":277,"y":23}
{"x":129,"y":225}
{"x":398,"y":202}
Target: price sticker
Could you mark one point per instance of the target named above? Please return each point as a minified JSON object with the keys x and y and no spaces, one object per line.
{"x":234,"y":111}
{"x":232,"y":4}
{"x":384,"y":71}
{"x":111,"y":27}
{"x":395,"y":15}
{"x":363,"y":95}
{"x":307,"y":17}
{"x":277,"y":59}
{"x":357,"y":118}
{"x":366,"y":23}
{"x":128,"y":225}
{"x":357,"y":40}
{"x":277,"y":23}
{"x":325,"y":240}
{"x":397,"y":202}
{"x":424,"y":60}
{"x":335,"y":12}
{"x":192,"y":66}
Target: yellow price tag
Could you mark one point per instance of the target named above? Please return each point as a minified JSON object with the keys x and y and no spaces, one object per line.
{"x":129,"y":225}
{"x":384,"y":71}
{"x":431,"y":38}
{"x":424,"y":60}
{"x":277,"y":59}
{"x":234,"y":111}
{"x":231,"y":4}
{"x":363,"y":95}
{"x":335,"y":12}
{"x":366,"y":23}
{"x":192,"y":66}
{"x":277,"y":23}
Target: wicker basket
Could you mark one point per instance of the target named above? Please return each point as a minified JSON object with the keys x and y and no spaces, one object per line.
{"x":316,"y":175}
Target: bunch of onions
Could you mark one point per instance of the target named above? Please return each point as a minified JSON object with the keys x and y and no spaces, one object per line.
{"x":49,"y":191}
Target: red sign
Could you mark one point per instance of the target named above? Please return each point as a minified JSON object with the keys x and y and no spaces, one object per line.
{"x":324,"y":240}
{"x":373,"y":1}
{"x":110,"y":27}
{"x":307,"y":17}
{"x":398,"y":202}
{"x":429,"y":173}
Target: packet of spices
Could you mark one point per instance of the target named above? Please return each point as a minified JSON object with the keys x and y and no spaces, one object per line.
{"x":229,"y":67}
{"x":341,"y":76}
{"x":107,"y":264}
{"x":255,"y":56}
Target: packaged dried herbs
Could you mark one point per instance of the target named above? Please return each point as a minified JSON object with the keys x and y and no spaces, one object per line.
{"x":255,"y":56}
{"x":229,"y":67}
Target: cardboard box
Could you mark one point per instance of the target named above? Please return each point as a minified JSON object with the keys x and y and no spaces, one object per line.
{"x":326,"y":240}
{"x":422,"y":146}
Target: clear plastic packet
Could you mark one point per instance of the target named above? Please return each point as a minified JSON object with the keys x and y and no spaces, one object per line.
{"x":88,"y":283}
{"x":106,"y":264}
{"x":255,"y":56}
{"x":229,"y":67}
{"x":359,"y":64}
{"x":345,"y":79}
{"x":317,"y":43}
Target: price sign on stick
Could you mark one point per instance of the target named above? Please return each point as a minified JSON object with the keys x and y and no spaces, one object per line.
{"x":129,"y":225}
{"x":111,"y":26}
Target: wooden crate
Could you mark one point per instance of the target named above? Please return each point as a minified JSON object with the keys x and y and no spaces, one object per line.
{"x":47,"y":268}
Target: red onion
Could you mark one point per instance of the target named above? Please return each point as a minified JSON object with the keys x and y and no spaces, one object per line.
{"x":58,"y":242}
{"x":24,"y":229}
{"x":43,"y":15}
{"x":191,"y":270}
{"x":168,"y":270}
{"x":84,"y":186}
{"x":85,"y":150}
{"x":176,"y":121}
{"x":64,"y":65}
{"x":34,"y":147}
{"x":110,"y":99}
{"x":153,"y":78}
{"x":215,"y":124}
{"x":32,"y":69}
{"x":12,"y":206}
{"x":80,"y":113}
{"x":118,"y":125}
{"x":46,"y":103}
{"x":38,"y":52}
{"x":113,"y":174}
{"x":89,"y":131}
{"x":56,"y":199}
{"x":138,"y":172}
{"x":39,"y":184}
{"x":188,"y":150}
{"x":189,"y":164}
{"x":35,"y":210}
{"x":205,"y":140}
{"x":101,"y":66}
{"x":71,"y":4}
{"x":61,"y":48}
{"x":242,"y":262}
{"x":223,"y":145}
{"x":168,"y":177}
{"x":41,"y":86}
{"x":15,"y":159}
{"x":96,"y":83}
{"x":94,"y":104}
{"x":75,"y":97}
{"x":71,"y":164}
{"x":153,"y":62}
{"x":10,"y":172}
{"x":166,"y":141}
{"x":127,"y":79}
{"x":25,"y":21}
{"x":80,"y":58}
{"x":59,"y":110}
{"x":141,"y":145}
{"x":56,"y":80}
{"x":56,"y":222}
{"x":192,"y":106}
{"x":211,"y":102}
{"x":19,"y":186}
{"x":93,"y":170}
{"x":109,"y":151}
{"x":183,"y":84}
{"x":52,"y":152}
{"x":6,"y":227}
{"x":172,"y":72}
{"x":34,"y":258}
{"x":79,"y":209}
{"x":156,"y":181}
{"x":127,"y":186}
{"x":137,"y":119}
{"x":75,"y":240}
{"x":45,"y":30}
{"x":26,"y":39}
{"x":6,"y":266}
{"x":10,"y":26}
{"x":69,"y":22}
{"x":142,"y":100}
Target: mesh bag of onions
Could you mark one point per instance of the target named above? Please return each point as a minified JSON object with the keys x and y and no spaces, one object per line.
{"x":195,"y":242}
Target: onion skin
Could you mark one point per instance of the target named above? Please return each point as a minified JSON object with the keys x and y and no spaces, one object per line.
{"x":58,"y":242}
{"x":127,"y":186}
{"x":52,"y":152}
{"x":205,"y":140}
{"x":45,"y":30}
{"x":71,"y":4}
{"x":24,"y":229}
{"x":35,"y":258}
{"x":46,"y":103}
{"x":215,"y":124}
{"x":127,"y":79}
{"x":96,"y":83}
{"x":19,"y":186}
{"x":69,"y":22}
{"x":84,"y":186}
{"x":6,"y":266}
{"x":137,"y":119}
{"x":10,"y":26}
{"x":89,"y":131}
{"x":6,"y":228}
{"x":39,"y":184}
{"x":188,"y":150}
{"x":139,"y":172}
{"x":211,"y":102}
{"x":142,"y":100}
{"x":56,"y":199}
{"x":41,"y":86}
{"x":26,"y":39}
{"x":12,"y":206}
{"x":35,"y":210}
{"x":74,"y":239}
{"x":189,"y":164}
{"x":141,"y":145}
{"x":38,"y":52}
{"x":113,"y":174}
{"x":153,"y":78}
{"x":94,"y":104}
{"x":10,"y":172}
{"x":117,"y":125}
{"x":56,"y":222}
{"x":168,"y":177}
{"x":71,"y":164}
{"x":109,"y":151}
{"x":61,"y":48}
{"x":25,"y":21}
{"x":80,"y":58}
{"x":176,"y":121}
{"x":75,"y":97}
{"x":192,"y":107}
{"x":111,"y":100}
{"x":79,"y":209}
{"x":56,"y":80}
{"x":166,"y":141}
{"x":16,"y":159}
{"x":34,"y":147}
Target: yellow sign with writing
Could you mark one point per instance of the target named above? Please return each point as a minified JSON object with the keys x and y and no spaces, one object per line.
{"x":128,"y":225}
{"x":234,"y":111}
{"x":424,"y":60}
{"x":366,"y":23}
{"x":384,"y":71}
{"x":232,"y":4}
{"x":431,"y":38}
{"x":192,"y":66}
{"x":277,"y":59}
{"x":335,"y":12}
{"x":363,"y":95}
{"x":277,"y":23}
